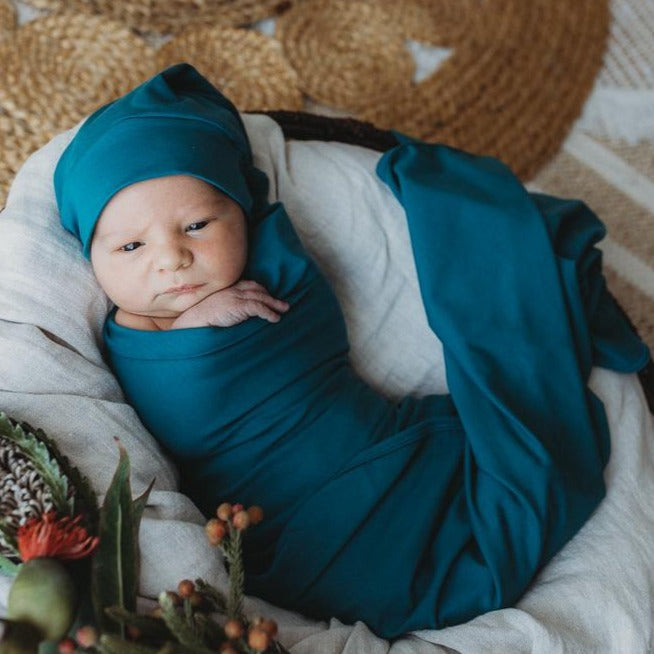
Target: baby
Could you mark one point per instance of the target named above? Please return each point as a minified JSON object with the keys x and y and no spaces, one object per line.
{"x":170,"y":252}
{"x":407,"y":515}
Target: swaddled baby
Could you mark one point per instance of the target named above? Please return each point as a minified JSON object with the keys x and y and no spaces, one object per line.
{"x":231,"y":346}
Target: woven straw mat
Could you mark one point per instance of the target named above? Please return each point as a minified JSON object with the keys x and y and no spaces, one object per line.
{"x":170,"y":16}
{"x":248,"y":67}
{"x":347,"y":54}
{"x":516,"y":79}
{"x":56,"y":70}
{"x":7,"y":18}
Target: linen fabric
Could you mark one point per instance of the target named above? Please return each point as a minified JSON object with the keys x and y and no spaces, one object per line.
{"x":502,"y":472}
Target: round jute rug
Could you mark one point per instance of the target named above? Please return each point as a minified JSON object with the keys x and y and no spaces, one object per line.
{"x":347,"y":54}
{"x":515,"y":81}
{"x":56,"y":70}
{"x":248,"y":67}
{"x":7,"y":18}
{"x":170,"y":16}
{"x":516,"y":78}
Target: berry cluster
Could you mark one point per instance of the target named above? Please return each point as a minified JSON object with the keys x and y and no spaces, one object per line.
{"x":85,"y":637}
{"x":190,"y":614}
{"x":259,"y":635}
{"x":231,"y":516}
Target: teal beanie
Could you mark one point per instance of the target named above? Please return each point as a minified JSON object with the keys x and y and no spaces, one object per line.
{"x":174,"y":123}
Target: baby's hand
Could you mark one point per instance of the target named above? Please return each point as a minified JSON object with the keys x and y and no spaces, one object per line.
{"x":233,"y":305}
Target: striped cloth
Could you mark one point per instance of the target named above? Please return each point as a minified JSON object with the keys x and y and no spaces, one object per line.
{"x":608,"y":160}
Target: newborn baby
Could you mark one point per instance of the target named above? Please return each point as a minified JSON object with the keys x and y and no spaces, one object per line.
{"x":407,"y":515}
{"x":170,"y":252}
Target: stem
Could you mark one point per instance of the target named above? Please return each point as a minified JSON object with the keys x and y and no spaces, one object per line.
{"x":236,"y":575}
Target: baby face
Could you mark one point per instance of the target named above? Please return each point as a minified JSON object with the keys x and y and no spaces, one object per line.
{"x":164,"y":244}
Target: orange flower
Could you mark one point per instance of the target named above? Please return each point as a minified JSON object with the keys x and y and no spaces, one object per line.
{"x":60,"y":538}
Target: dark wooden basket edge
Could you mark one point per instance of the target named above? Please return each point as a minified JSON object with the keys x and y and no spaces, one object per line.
{"x":308,"y":127}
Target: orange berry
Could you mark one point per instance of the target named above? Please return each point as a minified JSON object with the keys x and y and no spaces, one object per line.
{"x":236,"y":508}
{"x":269,"y":626}
{"x":233,"y":629}
{"x":133,"y":633}
{"x":241,"y":520}
{"x":67,"y":646}
{"x":185,"y":587}
{"x":258,"y":639}
{"x":227,"y":648}
{"x":216,"y":531}
{"x":87,"y":636}
{"x":224,"y":511}
{"x":256,"y":514}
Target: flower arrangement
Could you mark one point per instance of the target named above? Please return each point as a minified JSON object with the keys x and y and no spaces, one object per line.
{"x":76,"y":565}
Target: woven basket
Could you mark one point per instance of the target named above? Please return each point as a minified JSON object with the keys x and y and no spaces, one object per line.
{"x":171,"y":16}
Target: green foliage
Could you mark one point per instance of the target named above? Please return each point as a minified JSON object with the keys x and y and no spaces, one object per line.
{"x":41,"y":458}
{"x":233,"y":551}
{"x":153,"y":629}
{"x":214,"y":598}
{"x":182,"y":625}
{"x":116,"y":565}
{"x":7,"y":566}
{"x":85,"y":499}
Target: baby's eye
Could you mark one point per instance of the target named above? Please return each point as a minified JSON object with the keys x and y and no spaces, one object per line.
{"x":194,"y":227}
{"x":130,"y":247}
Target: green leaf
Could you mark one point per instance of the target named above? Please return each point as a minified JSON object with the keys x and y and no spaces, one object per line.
{"x":85,"y":498}
{"x":216,"y":599}
{"x":7,"y":566}
{"x":182,"y":626}
{"x":112,"y":644}
{"x":115,"y":566}
{"x":42,"y":459}
{"x":8,"y":537}
{"x":150,"y":627}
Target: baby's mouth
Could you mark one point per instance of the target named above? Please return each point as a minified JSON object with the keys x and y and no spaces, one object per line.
{"x":185,"y":288}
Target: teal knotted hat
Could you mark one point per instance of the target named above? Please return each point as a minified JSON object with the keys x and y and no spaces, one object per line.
{"x":174,"y":123}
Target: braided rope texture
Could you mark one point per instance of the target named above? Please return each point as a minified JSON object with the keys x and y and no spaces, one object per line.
{"x":515,"y":80}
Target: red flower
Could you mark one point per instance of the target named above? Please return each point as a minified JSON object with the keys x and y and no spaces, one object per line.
{"x":59,"y":539}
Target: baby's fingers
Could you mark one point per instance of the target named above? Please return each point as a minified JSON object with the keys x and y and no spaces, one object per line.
{"x":263,"y":310}
{"x":256,"y":292}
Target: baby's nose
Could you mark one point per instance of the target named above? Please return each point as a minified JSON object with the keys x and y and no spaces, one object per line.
{"x":173,"y":257}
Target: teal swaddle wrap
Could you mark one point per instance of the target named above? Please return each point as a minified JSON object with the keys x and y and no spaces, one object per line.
{"x":413,"y":514}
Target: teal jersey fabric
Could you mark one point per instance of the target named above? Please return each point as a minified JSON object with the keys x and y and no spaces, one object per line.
{"x":429,"y":511}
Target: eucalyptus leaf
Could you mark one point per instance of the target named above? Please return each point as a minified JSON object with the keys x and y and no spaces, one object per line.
{"x":115,"y":566}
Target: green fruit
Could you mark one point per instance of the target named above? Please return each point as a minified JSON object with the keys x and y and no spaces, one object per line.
{"x":43,"y":595}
